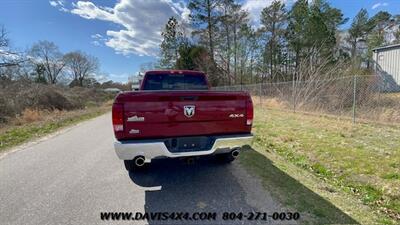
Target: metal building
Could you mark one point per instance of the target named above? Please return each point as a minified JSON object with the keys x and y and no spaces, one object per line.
{"x":387,"y":63}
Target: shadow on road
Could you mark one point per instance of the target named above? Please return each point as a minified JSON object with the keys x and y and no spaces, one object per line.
{"x":208,"y":186}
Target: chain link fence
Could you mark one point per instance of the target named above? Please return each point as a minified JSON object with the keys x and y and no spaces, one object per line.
{"x":358,"y":97}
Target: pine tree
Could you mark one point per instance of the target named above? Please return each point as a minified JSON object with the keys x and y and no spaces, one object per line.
{"x":189,"y":55}
{"x":324,"y":21}
{"x":312,"y":30}
{"x":297,"y":29}
{"x":172,"y":38}
{"x":273,"y":20}
{"x":225,"y":36}
{"x":205,"y":16}
{"x":358,"y":30}
{"x":376,"y":38}
{"x":230,"y":23}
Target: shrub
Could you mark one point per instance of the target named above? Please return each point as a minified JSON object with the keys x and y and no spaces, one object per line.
{"x":25,"y":100}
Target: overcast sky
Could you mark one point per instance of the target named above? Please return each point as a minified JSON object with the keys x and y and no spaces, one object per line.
{"x":122,"y":34}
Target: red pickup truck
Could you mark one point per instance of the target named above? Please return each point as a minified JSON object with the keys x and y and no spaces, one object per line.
{"x":175,"y":114}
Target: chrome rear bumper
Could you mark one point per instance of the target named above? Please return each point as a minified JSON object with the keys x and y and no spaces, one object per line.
{"x":127,"y":150}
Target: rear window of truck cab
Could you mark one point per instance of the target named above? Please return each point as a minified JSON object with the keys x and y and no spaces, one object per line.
{"x":175,"y":82}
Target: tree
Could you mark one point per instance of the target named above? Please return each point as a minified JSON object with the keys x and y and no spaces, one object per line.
{"x":8,"y":58}
{"x":172,"y":39}
{"x":226,"y":22}
{"x":396,"y":19}
{"x":273,"y":21}
{"x":376,"y":38}
{"x":312,"y":30}
{"x":360,"y":27}
{"x":246,"y":52}
{"x":48,"y":54}
{"x":4,"y":61}
{"x":189,"y":55}
{"x":323,"y":24}
{"x":3,"y":38}
{"x":81,"y":65}
{"x":194,"y":57}
{"x":380,"y":21}
{"x":240,"y":20}
{"x":297,"y":29}
{"x":230,"y":22}
{"x":40,"y":69}
{"x":205,"y":16}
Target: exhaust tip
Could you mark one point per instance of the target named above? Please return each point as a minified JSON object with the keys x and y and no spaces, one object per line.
{"x":235,"y":153}
{"x":139,"y":161}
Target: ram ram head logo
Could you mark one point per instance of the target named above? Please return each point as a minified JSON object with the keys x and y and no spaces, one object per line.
{"x":188,"y":110}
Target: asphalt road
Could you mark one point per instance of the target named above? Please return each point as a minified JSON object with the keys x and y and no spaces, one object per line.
{"x":71,"y":177}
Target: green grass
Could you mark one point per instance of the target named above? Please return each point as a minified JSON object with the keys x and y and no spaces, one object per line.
{"x":395,"y":176}
{"x":360,"y":160}
{"x":293,"y":195}
{"x":16,"y":135}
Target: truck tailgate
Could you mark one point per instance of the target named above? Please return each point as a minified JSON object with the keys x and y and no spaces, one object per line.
{"x":161,"y":114}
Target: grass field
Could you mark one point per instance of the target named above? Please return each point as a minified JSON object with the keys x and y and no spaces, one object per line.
{"x":355,"y":164}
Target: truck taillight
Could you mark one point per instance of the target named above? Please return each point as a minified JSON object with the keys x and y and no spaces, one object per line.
{"x":118,"y":117}
{"x":249,"y":112}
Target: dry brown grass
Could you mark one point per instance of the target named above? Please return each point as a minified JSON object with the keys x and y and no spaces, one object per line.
{"x":30,"y":115}
{"x":109,"y":103}
{"x":385,"y":109}
{"x":269,"y":102}
{"x":34,"y":115}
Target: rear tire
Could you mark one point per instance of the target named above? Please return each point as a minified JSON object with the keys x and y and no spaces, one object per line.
{"x":225,"y":158}
{"x":130,"y":166}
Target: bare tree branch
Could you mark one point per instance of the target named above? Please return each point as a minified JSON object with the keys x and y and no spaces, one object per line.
{"x":81,"y":65}
{"x":49,"y":55}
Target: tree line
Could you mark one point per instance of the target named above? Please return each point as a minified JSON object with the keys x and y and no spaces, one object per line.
{"x":44,"y":63}
{"x":222,"y":41}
